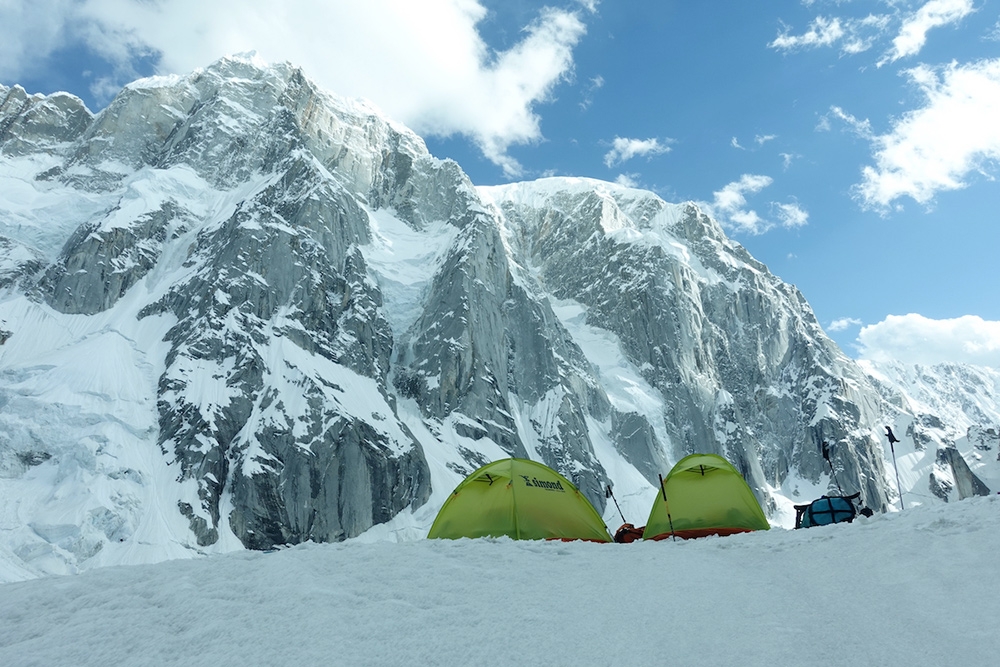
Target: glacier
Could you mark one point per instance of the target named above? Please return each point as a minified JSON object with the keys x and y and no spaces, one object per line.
{"x":238,"y":311}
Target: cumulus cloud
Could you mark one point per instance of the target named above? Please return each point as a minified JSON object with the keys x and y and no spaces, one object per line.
{"x":731,"y":208}
{"x":623,"y":149}
{"x":915,"y":339}
{"x":913,"y":33}
{"x":791,"y":215}
{"x":844,"y":323}
{"x":422,"y":63}
{"x":937,"y":146}
{"x":732,"y":196}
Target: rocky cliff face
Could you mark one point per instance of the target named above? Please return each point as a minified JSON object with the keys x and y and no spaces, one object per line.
{"x":740,"y":362}
{"x":274,"y":387}
{"x":237,"y":310}
{"x":947,"y":418}
{"x":32,"y":124}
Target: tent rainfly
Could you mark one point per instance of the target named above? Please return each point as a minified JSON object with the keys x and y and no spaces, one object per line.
{"x":703,"y":495}
{"x":522,"y":499}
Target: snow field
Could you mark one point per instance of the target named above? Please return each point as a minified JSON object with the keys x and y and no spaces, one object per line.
{"x":911,"y":588}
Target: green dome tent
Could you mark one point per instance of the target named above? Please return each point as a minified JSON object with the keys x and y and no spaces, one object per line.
{"x":703,"y":495}
{"x":522,"y":499}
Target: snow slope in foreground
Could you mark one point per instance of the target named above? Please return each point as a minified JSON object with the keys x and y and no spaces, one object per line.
{"x":917,"y":587}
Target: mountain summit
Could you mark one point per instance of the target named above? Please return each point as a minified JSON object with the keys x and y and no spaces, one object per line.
{"x":238,"y":311}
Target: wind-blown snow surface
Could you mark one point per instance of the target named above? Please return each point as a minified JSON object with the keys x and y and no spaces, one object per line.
{"x":907,"y":588}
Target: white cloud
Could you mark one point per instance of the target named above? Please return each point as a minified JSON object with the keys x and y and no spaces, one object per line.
{"x":26,"y":32}
{"x":915,"y":339}
{"x":862,"y":128}
{"x":628,"y":180}
{"x":759,"y":139}
{"x":787,"y":158}
{"x":623,"y":149}
{"x":852,"y":35}
{"x":424,"y":63}
{"x":936,"y":147}
{"x":913,"y":33}
{"x":843,"y":324}
{"x":994,"y":34}
{"x":822,"y":32}
{"x":732,"y":196}
{"x":792,"y":215}
{"x":731,"y":208}
{"x":596,"y":83}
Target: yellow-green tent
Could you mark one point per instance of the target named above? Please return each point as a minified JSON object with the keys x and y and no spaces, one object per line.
{"x":522,"y":499}
{"x":703,"y":495}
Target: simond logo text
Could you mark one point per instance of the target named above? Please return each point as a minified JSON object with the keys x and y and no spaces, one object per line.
{"x":542,"y":484}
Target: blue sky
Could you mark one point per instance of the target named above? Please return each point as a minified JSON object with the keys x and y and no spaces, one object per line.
{"x":853,"y":146}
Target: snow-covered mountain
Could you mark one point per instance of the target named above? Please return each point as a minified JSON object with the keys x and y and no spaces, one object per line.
{"x":948,"y":421}
{"x":238,"y":311}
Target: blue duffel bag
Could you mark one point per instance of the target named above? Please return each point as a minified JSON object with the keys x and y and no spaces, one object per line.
{"x":826,"y":510}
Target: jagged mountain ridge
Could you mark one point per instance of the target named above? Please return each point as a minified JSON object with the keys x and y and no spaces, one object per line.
{"x":255,"y":314}
{"x":741,"y":362}
{"x":296,"y":467}
{"x":948,"y":419}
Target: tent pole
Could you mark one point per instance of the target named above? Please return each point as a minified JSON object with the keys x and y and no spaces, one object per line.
{"x":670,"y":520}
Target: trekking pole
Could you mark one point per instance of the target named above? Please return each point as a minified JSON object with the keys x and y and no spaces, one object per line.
{"x":893,"y":439}
{"x":663,"y":490}
{"x":610,"y":494}
{"x":833,"y":473}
